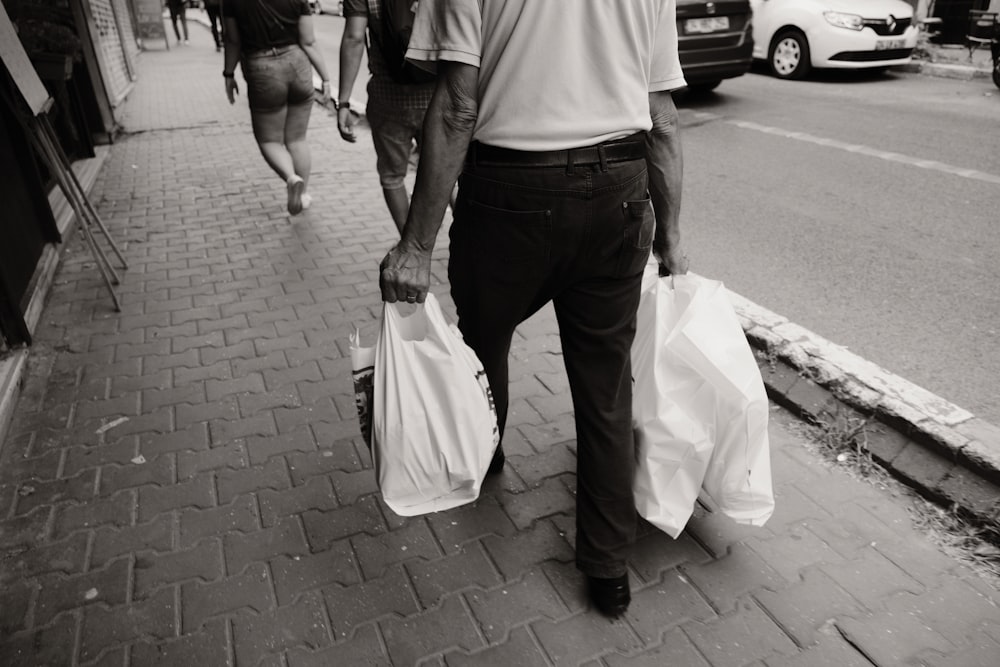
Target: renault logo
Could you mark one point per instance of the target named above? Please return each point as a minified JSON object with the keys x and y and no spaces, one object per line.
{"x":710,"y":8}
{"x":891,"y":23}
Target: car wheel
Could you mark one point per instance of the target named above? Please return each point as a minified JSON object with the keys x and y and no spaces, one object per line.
{"x":704,"y":86}
{"x":789,"y":56}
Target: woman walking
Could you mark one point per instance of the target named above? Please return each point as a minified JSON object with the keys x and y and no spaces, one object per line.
{"x":275,"y":44}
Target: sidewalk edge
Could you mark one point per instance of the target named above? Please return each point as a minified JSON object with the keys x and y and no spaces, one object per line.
{"x":945,"y":453}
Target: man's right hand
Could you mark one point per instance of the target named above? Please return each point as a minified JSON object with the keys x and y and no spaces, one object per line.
{"x":232,"y":90}
{"x":405,"y":274}
{"x":345,"y":124}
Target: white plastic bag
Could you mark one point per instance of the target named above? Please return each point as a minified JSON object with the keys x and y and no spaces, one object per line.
{"x":700,"y":409}
{"x":433,"y":422}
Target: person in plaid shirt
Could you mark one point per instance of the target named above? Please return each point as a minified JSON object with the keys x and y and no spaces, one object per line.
{"x":395,"y":111}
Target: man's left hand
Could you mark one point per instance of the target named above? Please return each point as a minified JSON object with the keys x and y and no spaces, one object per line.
{"x":405,"y":274}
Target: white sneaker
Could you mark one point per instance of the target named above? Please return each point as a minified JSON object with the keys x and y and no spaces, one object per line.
{"x":295,"y":187}
{"x":307,"y":201}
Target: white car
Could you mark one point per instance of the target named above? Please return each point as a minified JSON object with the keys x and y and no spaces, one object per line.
{"x":794,"y":36}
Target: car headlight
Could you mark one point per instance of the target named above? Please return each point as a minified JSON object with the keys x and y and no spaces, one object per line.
{"x":841,"y":20}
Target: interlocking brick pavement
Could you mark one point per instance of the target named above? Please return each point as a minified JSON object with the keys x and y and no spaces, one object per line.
{"x":184,"y":482}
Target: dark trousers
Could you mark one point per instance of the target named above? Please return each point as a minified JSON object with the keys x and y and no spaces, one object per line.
{"x":215,"y":21}
{"x":579,"y":237}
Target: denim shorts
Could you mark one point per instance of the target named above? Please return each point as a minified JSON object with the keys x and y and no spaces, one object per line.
{"x":277,"y":78}
{"x":394,"y":136}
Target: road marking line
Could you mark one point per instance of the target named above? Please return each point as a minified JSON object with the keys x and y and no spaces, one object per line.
{"x":889,"y":156}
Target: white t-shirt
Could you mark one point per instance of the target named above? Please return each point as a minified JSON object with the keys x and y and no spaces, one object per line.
{"x":555,"y":74}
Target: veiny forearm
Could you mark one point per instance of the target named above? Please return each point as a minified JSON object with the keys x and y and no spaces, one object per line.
{"x":447,"y":131}
{"x":665,"y":163}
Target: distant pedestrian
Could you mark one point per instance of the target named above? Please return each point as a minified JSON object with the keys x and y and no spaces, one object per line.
{"x":178,"y":14}
{"x":214,"y":10}
{"x":275,"y":43}
{"x":558,"y":119}
{"x":395,"y":109}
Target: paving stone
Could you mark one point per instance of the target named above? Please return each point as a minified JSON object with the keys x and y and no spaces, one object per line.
{"x":500,"y":609}
{"x":18,"y":596}
{"x":676,"y":649}
{"x":225,"y":409}
{"x":364,"y":648}
{"x":527,"y":549}
{"x":261,"y":449}
{"x":582,"y":636}
{"x":44,"y":467}
{"x":58,"y":594}
{"x":294,"y":575}
{"x":547,"y":498}
{"x":664,"y":605}
{"x":153,"y":618}
{"x":378,"y":553}
{"x":286,"y":537}
{"x":326,"y":528}
{"x":340,"y":457}
{"x":726,"y":580}
{"x":831,"y":651}
{"x":197,"y":492}
{"x":272,"y":475}
{"x":954,"y":609}
{"x":438,"y":578}
{"x":251,"y":588}
{"x":36,"y":493}
{"x":802,"y":609}
{"x":738,"y":638}
{"x":156,"y":535}
{"x":203,"y":562}
{"x":519,"y":649}
{"x":409,"y":639}
{"x":316,"y":494}
{"x":871,"y":578}
{"x":209,"y":647}
{"x":190,"y":464}
{"x":717,"y":533}
{"x":794,"y":551}
{"x":194,"y":437}
{"x":227,"y":430}
{"x":657,"y":552}
{"x":53,"y":645}
{"x":158,"y":471}
{"x":239,"y":515}
{"x":466,"y":523}
{"x":892,"y":639}
{"x":981,"y":652}
{"x":113,"y":511}
{"x":303,"y":623}
{"x":357,"y":604}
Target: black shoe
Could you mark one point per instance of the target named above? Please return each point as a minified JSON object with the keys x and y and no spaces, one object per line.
{"x":610,"y":596}
{"x":496,"y":464}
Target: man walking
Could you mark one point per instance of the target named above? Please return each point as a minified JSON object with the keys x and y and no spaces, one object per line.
{"x":559,"y":118}
{"x":395,"y":110}
{"x":214,"y":10}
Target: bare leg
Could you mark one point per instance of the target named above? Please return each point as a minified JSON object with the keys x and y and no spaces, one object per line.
{"x":398,"y":202}
{"x":268,"y":129}
{"x":295,"y":126}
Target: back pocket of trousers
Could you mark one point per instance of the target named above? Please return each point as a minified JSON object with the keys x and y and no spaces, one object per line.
{"x":504,"y":238}
{"x":639,"y":223}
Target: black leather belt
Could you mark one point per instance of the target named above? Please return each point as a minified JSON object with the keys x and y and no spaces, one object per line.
{"x":270,"y":51}
{"x":630,"y":148}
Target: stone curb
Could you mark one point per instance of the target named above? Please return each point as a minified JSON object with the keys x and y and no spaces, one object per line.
{"x":947,"y":70}
{"x":944,"y":452}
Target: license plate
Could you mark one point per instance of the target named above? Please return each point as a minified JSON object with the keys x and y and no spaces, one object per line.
{"x":886,"y":44}
{"x":701,"y":26}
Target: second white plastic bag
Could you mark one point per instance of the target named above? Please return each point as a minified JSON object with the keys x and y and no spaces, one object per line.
{"x":700,"y":409}
{"x":434,"y":427}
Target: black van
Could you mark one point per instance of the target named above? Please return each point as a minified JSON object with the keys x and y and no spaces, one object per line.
{"x":715,"y":41}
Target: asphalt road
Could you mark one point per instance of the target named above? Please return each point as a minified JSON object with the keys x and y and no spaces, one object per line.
{"x":862,"y":207}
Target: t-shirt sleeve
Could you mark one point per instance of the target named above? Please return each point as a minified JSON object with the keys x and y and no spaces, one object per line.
{"x":447,"y":30}
{"x":355,"y":8}
{"x":665,"y":67}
